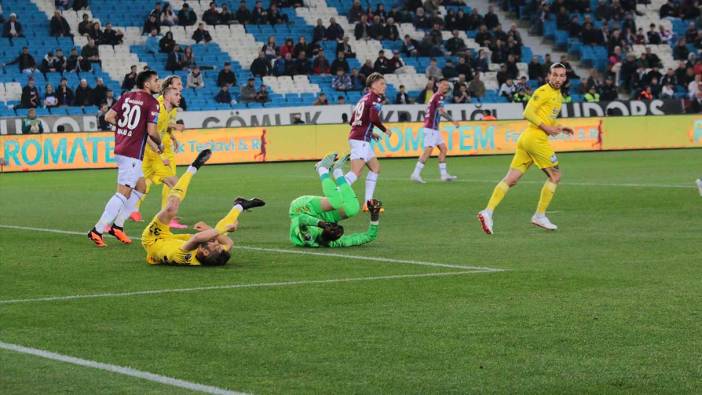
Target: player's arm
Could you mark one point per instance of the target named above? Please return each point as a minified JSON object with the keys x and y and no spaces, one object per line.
{"x":376,"y":121}
{"x":111,"y":117}
{"x":222,"y":238}
{"x":154,"y":135}
{"x":357,"y":239}
{"x":531,"y":115}
{"x":447,"y":116}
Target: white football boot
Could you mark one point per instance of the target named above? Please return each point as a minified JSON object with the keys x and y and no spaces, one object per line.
{"x":542,"y":221}
{"x":485,"y":219}
{"x":699,"y":185}
{"x":448,"y":178}
{"x":417,"y":178}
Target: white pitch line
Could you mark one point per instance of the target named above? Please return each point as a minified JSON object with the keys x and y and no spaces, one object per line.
{"x":236,"y":286}
{"x":157,"y":378}
{"x":298,"y":252}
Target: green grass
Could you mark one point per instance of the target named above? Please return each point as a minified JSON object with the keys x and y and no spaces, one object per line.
{"x":610,"y":303}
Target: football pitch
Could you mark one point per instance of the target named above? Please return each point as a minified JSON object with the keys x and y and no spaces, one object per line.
{"x":609,"y":303}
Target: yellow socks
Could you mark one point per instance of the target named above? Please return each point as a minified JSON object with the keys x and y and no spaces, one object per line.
{"x":181,"y":187}
{"x":497,"y":195}
{"x":228,"y":219}
{"x":547,"y":192}
{"x":165,"y":192}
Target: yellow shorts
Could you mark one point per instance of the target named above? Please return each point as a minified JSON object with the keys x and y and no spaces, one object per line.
{"x":162,"y":245}
{"x":155,"y":171}
{"x":533,"y":148}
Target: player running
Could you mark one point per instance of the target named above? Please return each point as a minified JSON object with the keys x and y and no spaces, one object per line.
{"x":135,"y":115}
{"x":365,"y":116}
{"x":314,"y":219}
{"x":208,"y":247}
{"x":432,"y":136}
{"x":533,"y":147}
{"x":161,"y":168}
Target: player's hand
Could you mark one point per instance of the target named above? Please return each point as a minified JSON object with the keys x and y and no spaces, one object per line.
{"x":200,"y":226}
{"x":388,"y":132}
{"x":375,"y":137}
{"x":160,"y":148}
{"x":567,"y":130}
{"x":374,"y":207}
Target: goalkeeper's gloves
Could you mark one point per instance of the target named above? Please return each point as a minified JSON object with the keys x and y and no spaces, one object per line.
{"x":374,"y":207}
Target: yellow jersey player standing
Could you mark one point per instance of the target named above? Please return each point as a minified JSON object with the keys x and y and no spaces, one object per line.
{"x":161,"y":168}
{"x":533,"y":147}
{"x":208,"y":247}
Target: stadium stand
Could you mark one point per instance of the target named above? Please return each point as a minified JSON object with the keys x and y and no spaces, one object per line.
{"x":638,"y":46}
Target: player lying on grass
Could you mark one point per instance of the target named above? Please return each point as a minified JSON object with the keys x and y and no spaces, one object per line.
{"x":208,"y":247}
{"x":314,"y":219}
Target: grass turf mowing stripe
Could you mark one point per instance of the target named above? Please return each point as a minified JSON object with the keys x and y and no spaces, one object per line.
{"x":299,"y":252}
{"x":236,"y":286}
{"x":157,"y":378}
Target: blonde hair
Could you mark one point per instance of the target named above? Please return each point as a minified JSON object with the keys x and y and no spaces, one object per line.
{"x":167,"y":82}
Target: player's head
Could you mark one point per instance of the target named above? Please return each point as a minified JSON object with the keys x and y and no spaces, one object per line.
{"x":376,"y":83}
{"x":557,"y":75}
{"x":211,"y":253}
{"x":330,"y":232}
{"x":172,"y":81}
{"x":444,"y":86}
{"x":171,"y":96}
{"x":148,"y":80}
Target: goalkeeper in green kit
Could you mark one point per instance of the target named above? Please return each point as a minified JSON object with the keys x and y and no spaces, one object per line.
{"x":314,"y":219}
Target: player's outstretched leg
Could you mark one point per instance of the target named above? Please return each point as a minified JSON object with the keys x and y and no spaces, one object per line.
{"x":349,"y":200}
{"x":180,"y":189}
{"x":240,"y":204}
{"x":547,"y":191}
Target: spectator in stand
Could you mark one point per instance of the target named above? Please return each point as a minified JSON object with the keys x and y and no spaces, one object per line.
{"x":694,"y":86}
{"x":342,"y":81}
{"x":259,"y":16}
{"x":695,"y":105}
{"x":109,"y":99}
{"x":341,"y":100}
{"x":262,"y":94}
{"x":433,"y":71}
{"x":12,"y":28}
{"x":301,"y":46}
{"x":499,"y":52}
{"x":195,"y":79}
{"x":201,"y":34}
{"x":211,"y":16}
{"x":83,"y":95}
{"x":111,"y":36}
{"x":168,"y":17}
{"x":449,"y":70}
{"x":355,"y":12}
{"x":320,"y":64}
{"x":483,"y":37}
{"x":421,"y":20}
{"x":49,"y":64}
{"x":362,"y":29}
{"x":334,"y":31}
{"x":522,"y":95}
{"x":85,"y":26}
{"x":646,"y":94}
{"x":275,"y":17}
{"x":668,"y":91}
{"x":463,"y":67}
{"x":402,"y":97}
{"x":455,"y":45}
{"x":151,"y":23}
{"x":462,"y":96}
{"x":490,"y":19}
{"x":473,"y":21}
{"x":508,"y":89}
{"x":366,"y":70}
{"x":186,"y":16}
{"x":319,"y":32}
{"x":654,"y":38}
{"x":289,"y":64}
{"x":103,"y":125}
{"x":376,"y":29}
{"x":173,"y":62}
{"x":151,"y":43}
{"x":669,"y":9}
{"x":535,"y":70}
{"x":426,"y":93}
{"x":167,"y":43}
{"x":30,"y":95}
{"x":302,"y":65}
{"x":223,"y":96}
{"x":270,"y":49}
{"x":339,"y":63}
{"x":345,"y":47}
{"x":25,"y":61}
{"x":99,"y":93}
{"x":286,"y":48}
{"x":511,"y":67}
{"x":321,"y":100}
{"x":95,"y":32}
{"x":64,"y":93}
{"x":382,"y":64}
{"x":31,"y":124}
{"x":395,"y":63}
{"x":390,"y":30}
{"x":476,"y":87}
{"x":157,"y":11}
{"x":483,"y":61}
{"x":592,"y":96}
{"x":188,"y":59}
{"x":608,"y":91}
{"x":243,"y":15}
{"x":260,"y":67}
{"x":90,"y":52}
{"x":248,"y":92}
{"x":50,"y":98}
{"x":129,"y":80}
{"x":357,"y":82}
{"x":58,"y":26}
{"x":409,"y":46}
{"x":651,"y":59}
{"x":226,"y":76}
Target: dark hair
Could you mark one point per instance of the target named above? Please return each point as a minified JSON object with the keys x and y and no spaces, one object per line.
{"x":372,"y":78}
{"x":143,"y":77}
{"x":219,"y":258}
{"x":442,"y":79}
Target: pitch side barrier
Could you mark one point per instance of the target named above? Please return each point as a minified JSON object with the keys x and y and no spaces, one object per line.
{"x":87,"y":150}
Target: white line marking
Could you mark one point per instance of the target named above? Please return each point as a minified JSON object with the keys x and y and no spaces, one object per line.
{"x":298,"y":252}
{"x":236,"y":286}
{"x":565,"y":183}
{"x":157,"y":378}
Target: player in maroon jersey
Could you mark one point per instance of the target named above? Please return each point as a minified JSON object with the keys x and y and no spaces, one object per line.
{"x":134,"y":115}
{"x":432,"y":136}
{"x":365,"y":116}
